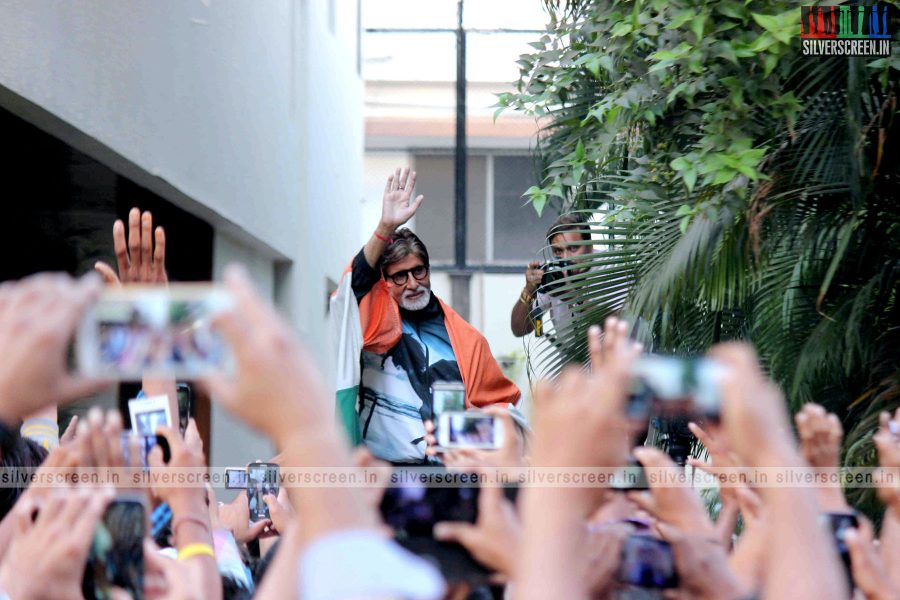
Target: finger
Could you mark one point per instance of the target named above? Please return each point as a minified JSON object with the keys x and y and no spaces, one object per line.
{"x":159,"y":256}
{"x":595,"y":347}
{"x":146,"y":245}
{"x":256,"y":529}
{"x":389,"y":185}
{"x":69,"y":434}
{"x":448,"y":531}
{"x":112,"y":431}
{"x":395,"y":185}
{"x":134,"y":243}
{"x":644,"y":501}
{"x":192,"y":436}
{"x":106,"y":272}
{"x":404,"y":176}
{"x":120,"y":247}
{"x":417,"y":202}
{"x":412,"y":184}
{"x":97,"y":437}
{"x":176,"y":443}
{"x":25,"y":508}
{"x":700,"y":434}
{"x":135,"y":451}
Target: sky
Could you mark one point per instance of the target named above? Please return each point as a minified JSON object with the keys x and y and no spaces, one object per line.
{"x":432,"y":56}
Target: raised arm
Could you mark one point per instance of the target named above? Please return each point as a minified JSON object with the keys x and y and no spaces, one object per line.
{"x":397,"y":207}
{"x":141,"y":258}
{"x":519,"y":320}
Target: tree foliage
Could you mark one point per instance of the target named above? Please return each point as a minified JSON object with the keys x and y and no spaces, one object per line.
{"x":738,"y":190}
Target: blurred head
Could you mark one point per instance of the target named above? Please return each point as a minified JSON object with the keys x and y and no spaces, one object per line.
{"x":404,"y":265}
{"x":23,"y":454}
{"x":566,"y":238}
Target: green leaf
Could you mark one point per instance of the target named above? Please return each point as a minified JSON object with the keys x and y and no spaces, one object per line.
{"x":683,"y":224}
{"x":579,"y":151}
{"x":538,"y":202}
{"x":684,"y":209}
{"x":690,"y":178}
{"x":680,"y":19}
{"x":680,"y":164}
{"x":697,"y":26}
{"x":621,"y":29}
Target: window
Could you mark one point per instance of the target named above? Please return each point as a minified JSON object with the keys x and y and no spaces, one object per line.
{"x":502,"y":228}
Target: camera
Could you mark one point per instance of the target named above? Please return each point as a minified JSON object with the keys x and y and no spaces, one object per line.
{"x":555,"y":271}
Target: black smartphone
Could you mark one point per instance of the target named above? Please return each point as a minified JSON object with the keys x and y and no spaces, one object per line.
{"x":235,"y":479}
{"x":647,"y":563}
{"x":116,"y":557}
{"x":262,"y":479}
{"x":839,"y":523}
{"x":630,"y":477}
{"x":412,"y":508}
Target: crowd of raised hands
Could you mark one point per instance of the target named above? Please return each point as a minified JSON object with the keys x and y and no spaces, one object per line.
{"x":330,"y":542}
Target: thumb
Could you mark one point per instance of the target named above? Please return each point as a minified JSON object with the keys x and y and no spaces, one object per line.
{"x":109,"y":276}
{"x":450,"y":531}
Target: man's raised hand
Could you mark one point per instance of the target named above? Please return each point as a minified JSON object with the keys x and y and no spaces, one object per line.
{"x":397,"y":206}
{"x":139,"y":260}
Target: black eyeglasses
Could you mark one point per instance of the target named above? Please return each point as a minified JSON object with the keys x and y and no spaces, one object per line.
{"x":399,"y":278}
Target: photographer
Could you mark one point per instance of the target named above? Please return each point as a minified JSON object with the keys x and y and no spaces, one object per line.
{"x":570,"y":239}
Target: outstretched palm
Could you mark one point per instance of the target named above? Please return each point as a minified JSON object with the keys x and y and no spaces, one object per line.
{"x":397,"y":206}
{"x":140,"y":260}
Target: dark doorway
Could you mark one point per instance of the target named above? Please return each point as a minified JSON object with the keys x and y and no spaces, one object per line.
{"x":60,"y":205}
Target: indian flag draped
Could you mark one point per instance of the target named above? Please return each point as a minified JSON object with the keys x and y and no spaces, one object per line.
{"x":346,"y":335}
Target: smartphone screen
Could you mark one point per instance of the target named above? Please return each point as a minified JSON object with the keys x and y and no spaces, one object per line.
{"x":647,"y":563}
{"x":469,"y":429}
{"x":116,"y":558}
{"x":412,"y":509}
{"x":262,"y":480}
{"x":235,"y":479}
{"x":136,"y":330}
{"x":447,"y":396}
{"x":674,"y":386}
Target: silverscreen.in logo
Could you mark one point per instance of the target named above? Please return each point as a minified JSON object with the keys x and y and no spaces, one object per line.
{"x":845,"y":30}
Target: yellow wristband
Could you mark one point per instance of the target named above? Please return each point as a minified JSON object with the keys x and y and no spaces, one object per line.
{"x":196,"y":550}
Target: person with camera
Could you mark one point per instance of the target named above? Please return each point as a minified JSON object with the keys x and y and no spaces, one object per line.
{"x":396,"y":338}
{"x":570,"y":240}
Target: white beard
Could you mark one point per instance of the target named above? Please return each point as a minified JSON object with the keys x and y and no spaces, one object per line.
{"x":417,"y":304}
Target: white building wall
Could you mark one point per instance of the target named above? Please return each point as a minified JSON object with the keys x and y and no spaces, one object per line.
{"x":247,"y":114}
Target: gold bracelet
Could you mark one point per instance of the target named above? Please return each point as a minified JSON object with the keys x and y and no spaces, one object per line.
{"x":196,"y":550}
{"x":525,"y":298}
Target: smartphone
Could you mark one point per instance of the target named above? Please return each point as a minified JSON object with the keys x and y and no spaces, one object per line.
{"x":116,"y":557}
{"x":411,"y":510}
{"x":839,"y":523}
{"x":145,"y":445}
{"x":136,"y":330}
{"x":469,"y":429}
{"x":262,"y":479}
{"x":185,"y":404}
{"x":235,"y":478}
{"x":149,"y":413}
{"x":648,"y":563}
{"x":447,"y":396}
{"x":671,"y":386}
